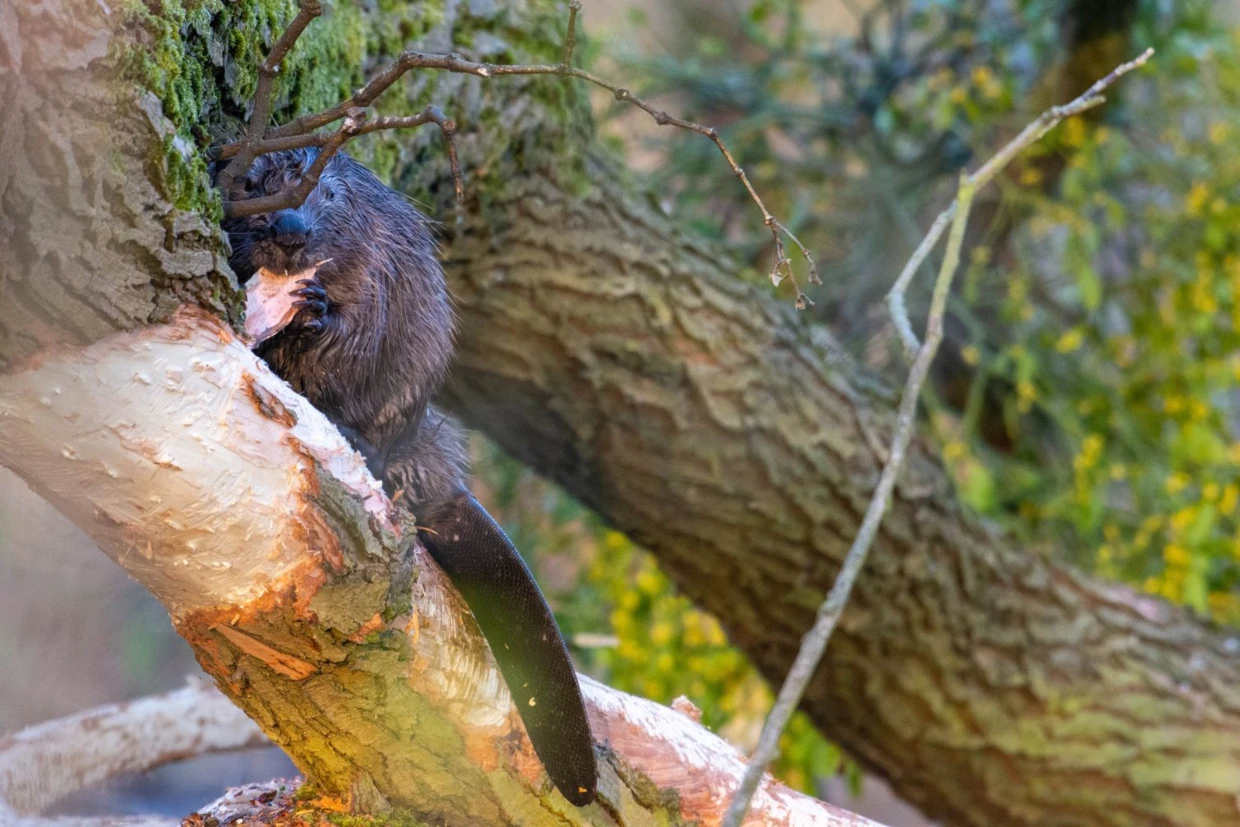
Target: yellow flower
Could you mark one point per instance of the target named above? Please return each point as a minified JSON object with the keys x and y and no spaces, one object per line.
{"x":1203,"y":299}
{"x":621,"y":621}
{"x":662,"y":633}
{"x":971,"y":355}
{"x":650,"y":582}
{"x":630,"y":650}
{"x":1218,"y":132}
{"x":953,"y":450}
{"x":1177,"y":482}
{"x":1091,"y":450}
{"x":1074,"y":131}
{"x":1118,"y":471}
{"x":1231,"y":494}
{"x":1183,"y":518}
{"x":1196,"y":198}
{"x":1210,"y":492}
{"x":1070,"y":340}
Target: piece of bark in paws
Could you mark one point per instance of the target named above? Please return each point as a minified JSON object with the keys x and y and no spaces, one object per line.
{"x":269,"y":302}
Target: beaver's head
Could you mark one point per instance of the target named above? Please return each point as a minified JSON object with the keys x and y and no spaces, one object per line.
{"x":289,"y":241}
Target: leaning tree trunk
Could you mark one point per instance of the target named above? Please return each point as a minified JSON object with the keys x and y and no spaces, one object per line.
{"x":695,"y":412}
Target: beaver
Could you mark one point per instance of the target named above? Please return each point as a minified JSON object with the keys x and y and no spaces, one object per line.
{"x":370,"y":344}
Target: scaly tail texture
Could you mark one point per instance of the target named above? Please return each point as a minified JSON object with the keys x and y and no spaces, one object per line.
{"x":517,"y":622}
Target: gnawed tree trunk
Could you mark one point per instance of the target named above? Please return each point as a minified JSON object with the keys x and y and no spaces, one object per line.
{"x":239,"y":506}
{"x":702,"y":417}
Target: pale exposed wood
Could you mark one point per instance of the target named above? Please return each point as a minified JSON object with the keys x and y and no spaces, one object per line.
{"x":245,"y":512}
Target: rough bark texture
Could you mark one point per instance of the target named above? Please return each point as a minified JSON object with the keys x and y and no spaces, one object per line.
{"x":704,"y":418}
{"x":990,"y":685}
{"x":89,"y":243}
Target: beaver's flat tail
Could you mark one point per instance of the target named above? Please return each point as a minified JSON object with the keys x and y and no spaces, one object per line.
{"x":517,"y":622}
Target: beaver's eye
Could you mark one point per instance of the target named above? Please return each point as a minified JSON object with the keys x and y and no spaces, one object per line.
{"x":250,"y":186}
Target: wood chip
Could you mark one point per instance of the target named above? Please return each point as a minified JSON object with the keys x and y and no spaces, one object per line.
{"x":269,"y":302}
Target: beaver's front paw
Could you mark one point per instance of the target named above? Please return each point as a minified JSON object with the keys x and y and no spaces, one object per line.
{"x":311,"y":305}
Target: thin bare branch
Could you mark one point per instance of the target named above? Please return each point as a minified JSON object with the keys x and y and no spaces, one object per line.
{"x":895,"y":299}
{"x":1031,"y":134}
{"x":329,"y":144}
{"x":570,"y":40}
{"x":241,"y":154}
{"x":815,"y":641}
{"x":265,"y":87}
{"x":296,"y":195}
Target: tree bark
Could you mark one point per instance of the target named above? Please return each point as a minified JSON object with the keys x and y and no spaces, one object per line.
{"x":703,"y":417}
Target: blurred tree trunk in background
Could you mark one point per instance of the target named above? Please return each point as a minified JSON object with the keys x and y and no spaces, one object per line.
{"x":700,"y":415}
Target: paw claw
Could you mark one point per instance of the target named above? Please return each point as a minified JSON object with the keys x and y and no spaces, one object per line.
{"x":312,"y":305}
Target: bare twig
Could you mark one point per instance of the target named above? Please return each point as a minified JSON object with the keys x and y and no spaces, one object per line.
{"x":267,"y":72}
{"x":895,"y":299}
{"x":328,"y":143}
{"x":1028,"y":136}
{"x":260,"y":142}
{"x":815,"y":641}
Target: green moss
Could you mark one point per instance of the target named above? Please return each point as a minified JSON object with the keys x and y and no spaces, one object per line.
{"x":306,"y":792}
{"x":392,"y":818}
{"x":200,"y":58}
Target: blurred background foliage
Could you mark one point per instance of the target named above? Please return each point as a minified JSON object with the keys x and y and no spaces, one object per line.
{"x":1087,"y":398}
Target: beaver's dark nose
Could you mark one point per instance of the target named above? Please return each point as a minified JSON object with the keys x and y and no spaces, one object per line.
{"x":289,"y":231}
